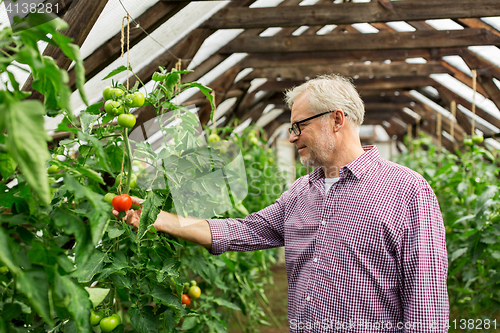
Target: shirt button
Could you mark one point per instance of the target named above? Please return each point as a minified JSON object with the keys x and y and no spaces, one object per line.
{"x":315,"y":259}
{"x":308,"y":298}
{"x":323,"y":222}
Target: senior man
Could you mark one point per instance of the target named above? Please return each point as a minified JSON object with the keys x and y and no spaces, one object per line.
{"x":364,"y":237}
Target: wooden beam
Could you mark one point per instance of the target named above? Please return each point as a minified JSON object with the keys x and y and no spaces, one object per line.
{"x":486,"y":82}
{"x":326,"y":58}
{"x":355,"y":70}
{"x":480,"y":64}
{"x":384,"y":40}
{"x":151,"y":19}
{"x":80,"y":17}
{"x":393,"y":83}
{"x":348,"y":13}
{"x":462,"y":77}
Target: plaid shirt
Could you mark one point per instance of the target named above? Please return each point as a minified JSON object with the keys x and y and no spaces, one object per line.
{"x":368,"y":256}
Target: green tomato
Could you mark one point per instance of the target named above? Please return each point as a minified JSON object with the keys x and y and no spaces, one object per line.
{"x":109,"y":323}
{"x":253,"y":140}
{"x":126,"y":120}
{"x":106,"y":94}
{"x":109,"y":197}
{"x":113,"y":107}
{"x":115,"y":92}
{"x":95,"y":318}
{"x":133,"y":180}
{"x":193,"y":283}
{"x":476,"y":138}
{"x":117,"y":317}
{"x":213,"y":138}
{"x":185,"y":287}
{"x":52,"y":169}
{"x":4,"y":269}
{"x":135,"y":100}
{"x":468,"y":142}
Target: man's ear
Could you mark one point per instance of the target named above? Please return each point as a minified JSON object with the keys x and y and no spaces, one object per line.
{"x":339,"y":120}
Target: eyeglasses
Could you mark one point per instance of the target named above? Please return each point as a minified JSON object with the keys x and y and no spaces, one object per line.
{"x":296,"y":128}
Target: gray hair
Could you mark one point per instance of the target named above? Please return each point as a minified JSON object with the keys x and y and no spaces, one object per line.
{"x":331,"y":92}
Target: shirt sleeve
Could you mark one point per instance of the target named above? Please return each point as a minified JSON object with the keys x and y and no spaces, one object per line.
{"x":258,"y":231}
{"x":424,"y":266}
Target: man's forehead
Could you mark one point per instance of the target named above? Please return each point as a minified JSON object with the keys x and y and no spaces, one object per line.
{"x":300,"y":108}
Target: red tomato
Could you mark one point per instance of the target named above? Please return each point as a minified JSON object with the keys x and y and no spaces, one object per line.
{"x":122,"y":202}
{"x":185,"y":299}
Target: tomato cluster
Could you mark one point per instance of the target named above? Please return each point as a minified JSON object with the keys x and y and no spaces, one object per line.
{"x":118,"y":102}
{"x":106,"y":324}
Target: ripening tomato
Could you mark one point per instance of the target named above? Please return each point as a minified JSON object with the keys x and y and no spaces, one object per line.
{"x":126,"y":120}
{"x":185,"y":299}
{"x":135,"y":100}
{"x":122,"y":202}
{"x":194,"y":292}
{"x":95,"y":318}
{"x":109,"y":323}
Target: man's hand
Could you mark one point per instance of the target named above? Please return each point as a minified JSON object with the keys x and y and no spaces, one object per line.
{"x":191,"y":229}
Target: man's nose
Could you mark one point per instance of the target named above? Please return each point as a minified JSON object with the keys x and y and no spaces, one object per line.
{"x":292,"y":137}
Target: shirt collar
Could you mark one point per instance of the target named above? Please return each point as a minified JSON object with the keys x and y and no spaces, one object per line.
{"x":357,"y":167}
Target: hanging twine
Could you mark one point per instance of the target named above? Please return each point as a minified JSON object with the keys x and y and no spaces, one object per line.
{"x":409,"y":133}
{"x":474,"y":80}
{"x":417,"y":132}
{"x":122,"y":41}
{"x":453,"y":108}
{"x":438,"y":128}
{"x":128,"y":42}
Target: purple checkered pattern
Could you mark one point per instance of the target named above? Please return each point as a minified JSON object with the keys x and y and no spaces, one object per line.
{"x":368,"y":256}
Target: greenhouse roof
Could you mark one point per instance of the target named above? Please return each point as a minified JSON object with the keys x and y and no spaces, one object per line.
{"x":410,"y":59}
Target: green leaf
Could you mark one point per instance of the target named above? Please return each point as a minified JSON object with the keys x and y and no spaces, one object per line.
{"x":150,"y":211}
{"x":99,"y":216}
{"x":97,"y":295}
{"x":72,"y":224}
{"x":457,"y":253}
{"x":92,"y":267}
{"x":7,"y":165}
{"x":35,"y":286}
{"x":165,"y":296}
{"x":227,"y":304}
{"x":484,"y":201}
{"x":116,"y":71}
{"x":143,"y":320}
{"x":189,"y":323}
{"x":206,"y":91}
{"x":27,"y":144}
{"x":100,"y":152}
{"x":76,"y":301}
{"x":114,"y":232}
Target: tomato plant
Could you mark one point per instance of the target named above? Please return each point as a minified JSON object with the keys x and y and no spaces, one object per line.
{"x":62,"y":252}
{"x":467,"y":187}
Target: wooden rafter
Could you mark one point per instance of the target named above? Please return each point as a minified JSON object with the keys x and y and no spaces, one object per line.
{"x":348,"y":13}
{"x":351,"y":70}
{"x":384,"y":40}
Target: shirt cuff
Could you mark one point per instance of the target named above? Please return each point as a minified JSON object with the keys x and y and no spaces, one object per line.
{"x":220,"y":235}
